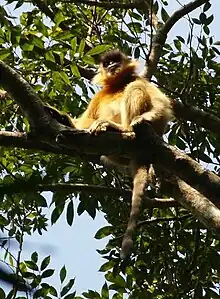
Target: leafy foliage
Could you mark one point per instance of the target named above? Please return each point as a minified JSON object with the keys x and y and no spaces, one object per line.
{"x":55,"y":45}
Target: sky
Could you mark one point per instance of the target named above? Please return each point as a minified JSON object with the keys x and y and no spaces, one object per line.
{"x":75,"y":246}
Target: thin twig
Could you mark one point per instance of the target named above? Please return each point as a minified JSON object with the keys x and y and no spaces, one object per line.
{"x":150,"y":221}
{"x":161,"y":35}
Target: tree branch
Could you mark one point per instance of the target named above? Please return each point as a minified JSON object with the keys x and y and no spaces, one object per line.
{"x":200,"y":206}
{"x":160,"y":37}
{"x":106,"y":5}
{"x":23,"y":94}
{"x":21,"y":140}
{"x":76,"y":188}
{"x":166,"y":219}
{"x":30,"y":102}
{"x":201,"y":118}
{"x":146,"y":144}
{"x":196,"y":203}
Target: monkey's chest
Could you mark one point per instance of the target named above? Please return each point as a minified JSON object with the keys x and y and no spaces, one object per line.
{"x":111,"y":111}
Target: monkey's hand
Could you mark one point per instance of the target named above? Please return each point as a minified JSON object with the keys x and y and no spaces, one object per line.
{"x":103,"y":125}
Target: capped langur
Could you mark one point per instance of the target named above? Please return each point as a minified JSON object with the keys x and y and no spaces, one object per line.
{"x":125,"y":100}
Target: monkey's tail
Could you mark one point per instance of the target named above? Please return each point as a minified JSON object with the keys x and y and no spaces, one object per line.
{"x":140,"y":180}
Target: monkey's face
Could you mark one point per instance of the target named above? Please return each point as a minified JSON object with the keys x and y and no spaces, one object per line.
{"x":114,"y":68}
{"x":113,"y":62}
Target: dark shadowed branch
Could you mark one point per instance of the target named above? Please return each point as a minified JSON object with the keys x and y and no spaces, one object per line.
{"x":104,"y":4}
{"x":77,"y":188}
{"x":152,"y":147}
{"x":201,"y":118}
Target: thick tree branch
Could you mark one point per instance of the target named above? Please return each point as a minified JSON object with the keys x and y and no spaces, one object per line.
{"x":200,"y":206}
{"x":160,"y":37}
{"x":29,"y":101}
{"x":149,"y":145}
{"x":21,"y":140}
{"x":201,"y":118}
{"x":108,"y":143}
{"x":23,"y":94}
{"x":106,"y":5}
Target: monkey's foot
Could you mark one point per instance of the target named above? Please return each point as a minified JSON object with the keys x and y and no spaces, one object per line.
{"x":139,"y":120}
{"x":102,"y":125}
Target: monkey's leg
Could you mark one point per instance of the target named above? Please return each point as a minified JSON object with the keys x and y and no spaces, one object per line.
{"x":139,"y":183}
{"x":136,"y":102}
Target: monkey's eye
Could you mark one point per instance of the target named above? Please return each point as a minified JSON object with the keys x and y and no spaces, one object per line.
{"x":106,"y":63}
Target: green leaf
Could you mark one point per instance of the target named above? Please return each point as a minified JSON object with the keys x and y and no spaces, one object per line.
{"x":41,"y":27}
{"x":207,"y":6}
{"x":75,"y":70}
{"x":202,"y":18}
{"x":40,"y":200}
{"x":196,"y":21}
{"x":4,"y":53}
{"x":103,"y":232}
{"x":177,"y":44}
{"x":91,"y":294}
{"x":27,"y":47}
{"x":49,"y":56}
{"x":105,"y":292}
{"x":3,"y":221}
{"x":53,"y":291}
{"x":70,"y":213}
{"x":164,"y":15}
{"x":65,"y":78}
{"x":98,"y":49}
{"x":180,"y":38}
{"x":62,"y":274}
{"x":209,"y":20}
{"x":38,"y":42}
{"x":45,"y":263}
{"x":59,"y":17}
{"x":34,"y":257}
{"x":67,"y":287}
{"x":89,"y":60}
{"x":47,"y":273}
{"x":107,"y":266}
{"x":19,"y":4}
{"x":81,"y":47}
{"x":137,"y":52}
{"x":56,"y":214}
{"x":74,"y":44}
{"x":206,"y":29}
{"x":31,"y":265}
